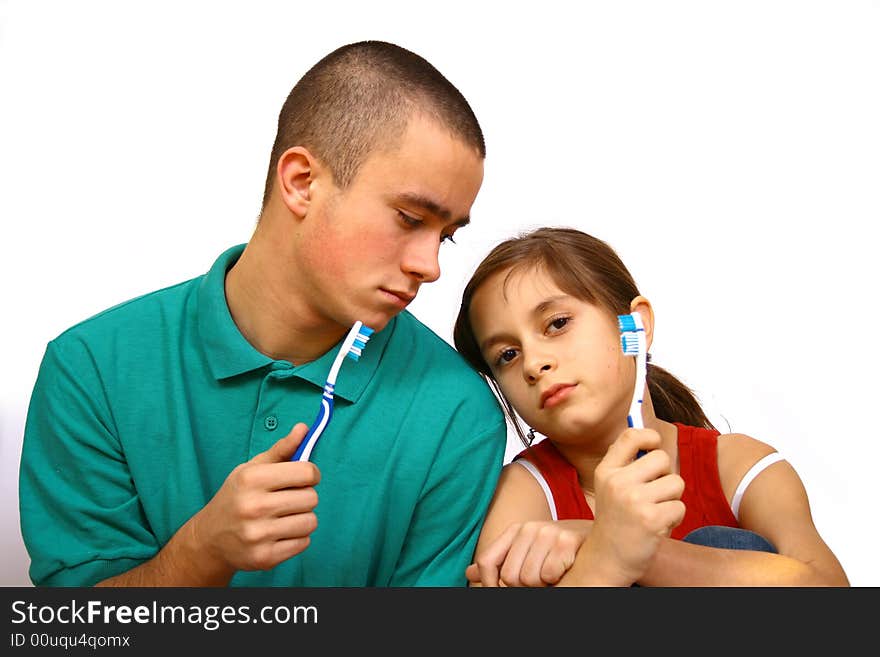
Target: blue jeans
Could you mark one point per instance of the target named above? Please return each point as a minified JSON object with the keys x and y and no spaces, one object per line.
{"x":731,"y":538}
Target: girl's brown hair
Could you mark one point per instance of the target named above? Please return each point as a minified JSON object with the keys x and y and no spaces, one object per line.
{"x":588,"y":269}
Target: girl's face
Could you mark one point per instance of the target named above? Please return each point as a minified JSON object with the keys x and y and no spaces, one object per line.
{"x":556,"y":358}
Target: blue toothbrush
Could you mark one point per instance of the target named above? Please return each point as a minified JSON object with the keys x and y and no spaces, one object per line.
{"x":634,"y":343}
{"x":352,"y":347}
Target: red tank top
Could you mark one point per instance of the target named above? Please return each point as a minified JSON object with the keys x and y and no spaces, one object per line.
{"x":703,"y":496}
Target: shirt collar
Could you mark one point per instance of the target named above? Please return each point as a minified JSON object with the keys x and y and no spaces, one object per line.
{"x":229,"y":354}
{"x":353,"y":375}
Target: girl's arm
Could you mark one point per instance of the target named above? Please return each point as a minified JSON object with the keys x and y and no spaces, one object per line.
{"x":519,"y":538}
{"x":775,"y":505}
{"x":637,"y":503}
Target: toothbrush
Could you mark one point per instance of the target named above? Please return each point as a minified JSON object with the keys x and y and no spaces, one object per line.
{"x":352,"y":347}
{"x":634,"y":343}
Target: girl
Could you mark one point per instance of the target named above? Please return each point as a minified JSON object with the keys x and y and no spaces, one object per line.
{"x":539,"y":320}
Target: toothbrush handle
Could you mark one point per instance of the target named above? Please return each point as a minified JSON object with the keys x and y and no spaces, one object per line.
{"x":630,"y":423}
{"x":305,"y":447}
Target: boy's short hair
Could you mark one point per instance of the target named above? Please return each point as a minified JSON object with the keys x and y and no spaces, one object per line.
{"x":360,"y":97}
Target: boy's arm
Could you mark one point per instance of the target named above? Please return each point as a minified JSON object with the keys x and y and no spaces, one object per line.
{"x":446,"y":522}
{"x":81,"y":514}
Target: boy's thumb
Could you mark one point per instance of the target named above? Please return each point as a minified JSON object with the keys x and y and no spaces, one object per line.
{"x":285,"y":447}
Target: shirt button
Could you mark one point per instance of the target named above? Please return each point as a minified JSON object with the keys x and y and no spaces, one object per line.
{"x":270,"y":422}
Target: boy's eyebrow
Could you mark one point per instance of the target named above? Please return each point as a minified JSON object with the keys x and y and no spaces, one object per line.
{"x":539,"y":309}
{"x":432,"y":207}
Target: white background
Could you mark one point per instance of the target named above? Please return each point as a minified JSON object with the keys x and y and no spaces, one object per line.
{"x":730,"y":151}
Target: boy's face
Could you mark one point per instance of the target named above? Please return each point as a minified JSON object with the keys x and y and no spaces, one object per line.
{"x":556,"y":358}
{"x":372,"y":245}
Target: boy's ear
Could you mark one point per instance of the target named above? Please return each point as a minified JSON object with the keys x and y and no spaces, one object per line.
{"x":295,"y":179}
{"x":644,"y":308}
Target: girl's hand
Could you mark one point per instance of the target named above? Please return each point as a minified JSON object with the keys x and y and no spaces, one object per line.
{"x":534,"y":553}
{"x":638,"y":503}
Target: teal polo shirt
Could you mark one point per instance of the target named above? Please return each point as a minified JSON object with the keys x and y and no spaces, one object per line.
{"x":139,"y":414}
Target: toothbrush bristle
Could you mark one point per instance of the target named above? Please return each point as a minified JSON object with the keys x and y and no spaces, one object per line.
{"x":359,"y":343}
{"x":630,"y":344}
{"x":626,"y":323}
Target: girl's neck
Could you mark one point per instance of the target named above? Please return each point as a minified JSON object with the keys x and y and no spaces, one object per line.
{"x":586,"y":459}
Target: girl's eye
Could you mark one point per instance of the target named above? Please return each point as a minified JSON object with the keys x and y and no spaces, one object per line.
{"x":447,"y":238}
{"x":505,"y":357}
{"x":558,"y":323}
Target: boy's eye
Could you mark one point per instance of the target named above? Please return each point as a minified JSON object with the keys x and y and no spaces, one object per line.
{"x":414,"y":222}
{"x":408,"y":220}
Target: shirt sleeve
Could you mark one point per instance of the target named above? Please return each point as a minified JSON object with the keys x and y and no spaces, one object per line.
{"x":447,"y":522}
{"x":81,"y":518}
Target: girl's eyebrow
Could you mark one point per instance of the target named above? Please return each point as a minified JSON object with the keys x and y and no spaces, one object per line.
{"x":540,"y":308}
{"x":548,"y":303}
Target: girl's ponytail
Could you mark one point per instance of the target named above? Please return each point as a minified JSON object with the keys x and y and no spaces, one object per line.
{"x":673,"y":401}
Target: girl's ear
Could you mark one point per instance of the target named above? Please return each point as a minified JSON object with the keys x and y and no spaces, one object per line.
{"x":644,"y":308}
